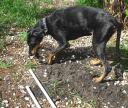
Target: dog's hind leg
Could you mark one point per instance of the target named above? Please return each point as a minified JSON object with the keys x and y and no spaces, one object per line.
{"x":100,"y":51}
{"x":99,"y":47}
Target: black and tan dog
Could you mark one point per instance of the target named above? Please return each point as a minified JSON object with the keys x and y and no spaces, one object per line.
{"x":74,"y":22}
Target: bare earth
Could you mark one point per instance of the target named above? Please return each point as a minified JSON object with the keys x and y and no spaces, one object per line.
{"x":68,"y":81}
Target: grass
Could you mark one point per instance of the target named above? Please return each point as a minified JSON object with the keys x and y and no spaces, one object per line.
{"x":93,"y":3}
{"x":19,"y":14}
{"x":23,"y":36}
{"x":5,"y":64}
{"x":124,"y":47}
{"x":30,"y":64}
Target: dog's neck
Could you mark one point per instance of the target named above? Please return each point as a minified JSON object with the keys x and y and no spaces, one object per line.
{"x":45,"y":25}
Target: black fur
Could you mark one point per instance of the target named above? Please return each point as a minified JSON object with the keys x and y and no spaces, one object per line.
{"x":74,"y":22}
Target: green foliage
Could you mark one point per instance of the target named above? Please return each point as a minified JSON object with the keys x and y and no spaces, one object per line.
{"x":30,"y":64}
{"x":47,"y":1}
{"x":127,"y":12}
{"x":93,"y":103}
{"x":124,"y":47}
{"x":5,"y":65}
{"x":93,"y":3}
{"x":126,"y":2}
{"x":18,"y":12}
{"x":23,"y":36}
{"x":2,"y":44}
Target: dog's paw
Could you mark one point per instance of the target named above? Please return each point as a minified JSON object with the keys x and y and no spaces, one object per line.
{"x":51,"y":57}
{"x":95,"y":62}
{"x":97,"y":79}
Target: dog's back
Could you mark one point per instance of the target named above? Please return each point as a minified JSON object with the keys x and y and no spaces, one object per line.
{"x":81,"y":17}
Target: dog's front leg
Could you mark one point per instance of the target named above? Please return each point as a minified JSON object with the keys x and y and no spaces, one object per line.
{"x":62,"y":45}
{"x":52,"y":55}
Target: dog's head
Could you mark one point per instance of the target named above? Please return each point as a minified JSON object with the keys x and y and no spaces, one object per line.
{"x":35,"y":36}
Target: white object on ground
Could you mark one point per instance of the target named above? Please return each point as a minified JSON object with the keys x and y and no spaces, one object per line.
{"x":33,"y":97}
{"x":42,"y":89}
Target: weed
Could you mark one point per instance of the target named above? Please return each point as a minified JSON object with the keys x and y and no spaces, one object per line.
{"x":23,"y":36}
{"x":30,"y":64}
{"x":47,"y":1}
{"x":93,"y":103}
{"x":6,"y":64}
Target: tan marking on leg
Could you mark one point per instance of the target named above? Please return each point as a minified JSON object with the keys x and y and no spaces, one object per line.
{"x":95,"y":62}
{"x":98,"y":79}
{"x":34,"y":51}
{"x":51,"y":57}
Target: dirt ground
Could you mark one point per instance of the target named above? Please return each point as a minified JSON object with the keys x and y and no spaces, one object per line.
{"x":68,"y":81}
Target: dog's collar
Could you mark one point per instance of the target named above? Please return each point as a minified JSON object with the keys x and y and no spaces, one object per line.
{"x":45,"y":25}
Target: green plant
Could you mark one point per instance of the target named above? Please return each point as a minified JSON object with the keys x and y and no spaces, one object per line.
{"x":127,"y":12}
{"x":48,"y":1}
{"x":23,"y":36}
{"x":2,"y":44}
{"x":124,"y":48}
{"x":6,"y":64}
{"x":93,"y":3}
{"x":18,"y":13}
{"x":93,"y":103}
{"x":1,"y":104}
{"x":30,"y":64}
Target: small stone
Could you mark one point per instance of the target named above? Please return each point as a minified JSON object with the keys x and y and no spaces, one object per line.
{"x":7,"y":105}
{"x":66,"y":98}
{"x":21,"y":87}
{"x":124,"y":92}
{"x":14,"y":94}
{"x":70,"y":61}
{"x":94,"y":87}
{"x":73,"y":56}
{"x":116,"y":82}
{"x":5,"y":101}
{"x":33,"y":106}
{"x":108,"y":102}
{"x":26,"y":98}
{"x":108,"y":84}
{"x":122,"y":107}
{"x":45,"y":70}
{"x":66,"y":103}
{"x":77,"y":61}
{"x":45,"y":75}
